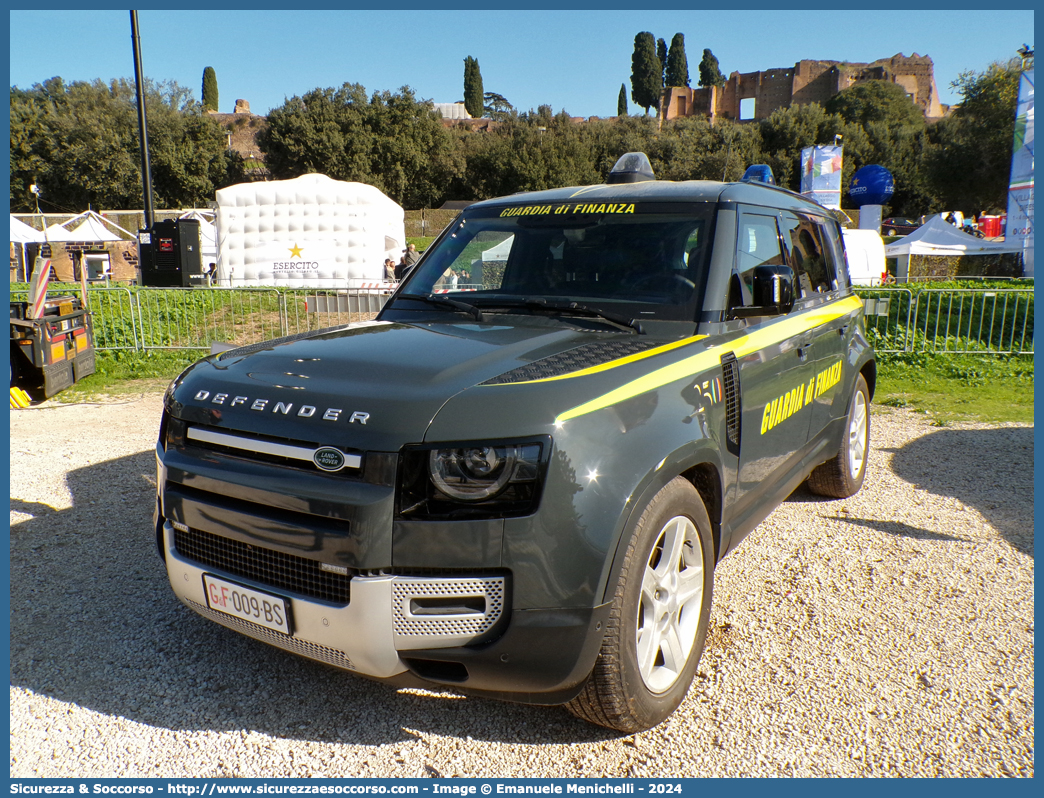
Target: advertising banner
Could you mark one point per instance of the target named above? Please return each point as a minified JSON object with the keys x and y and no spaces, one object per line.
{"x":821,"y":175}
{"x":1020,"y":188}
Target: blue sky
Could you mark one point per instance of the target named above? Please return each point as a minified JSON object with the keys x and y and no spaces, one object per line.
{"x":571,"y":60}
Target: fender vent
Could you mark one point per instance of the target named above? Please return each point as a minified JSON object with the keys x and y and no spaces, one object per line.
{"x":581,"y":357}
{"x":730,"y":381}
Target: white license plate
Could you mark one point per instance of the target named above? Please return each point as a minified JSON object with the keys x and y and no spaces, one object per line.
{"x":251,"y":605}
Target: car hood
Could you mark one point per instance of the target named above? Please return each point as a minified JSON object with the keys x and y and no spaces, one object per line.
{"x":371,"y":386}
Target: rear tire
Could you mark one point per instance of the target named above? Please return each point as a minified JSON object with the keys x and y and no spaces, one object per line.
{"x":658,"y":622}
{"x":843,"y":476}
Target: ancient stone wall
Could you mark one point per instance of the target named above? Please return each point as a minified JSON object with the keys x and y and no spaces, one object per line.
{"x":811,"y":82}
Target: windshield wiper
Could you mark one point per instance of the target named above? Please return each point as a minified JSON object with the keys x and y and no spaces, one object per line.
{"x":434,"y":299}
{"x":565,"y":306}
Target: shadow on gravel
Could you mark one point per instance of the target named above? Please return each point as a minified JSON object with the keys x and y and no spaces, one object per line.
{"x":990,"y":470}
{"x":94,"y":623}
{"x":900,"y":529}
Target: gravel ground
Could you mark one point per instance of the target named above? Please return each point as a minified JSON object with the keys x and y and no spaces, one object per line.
{"x":888,"y":634}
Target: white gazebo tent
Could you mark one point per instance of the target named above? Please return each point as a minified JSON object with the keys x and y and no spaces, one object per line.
{"x":57,"y":232}
{"x":90,"y":229}
{"x":93,"y":228}
{"x":22,"y":234}
{"x":938,"y":237}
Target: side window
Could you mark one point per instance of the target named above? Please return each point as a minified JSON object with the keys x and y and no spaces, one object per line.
{"x":758,"y":245}
{"x":833,"y":255}
{"x":808,"y":253}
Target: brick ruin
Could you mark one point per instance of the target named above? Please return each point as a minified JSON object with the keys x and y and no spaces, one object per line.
{"x":807,"y":82}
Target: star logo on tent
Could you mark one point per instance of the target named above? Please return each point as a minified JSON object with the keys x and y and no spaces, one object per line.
{"x":295,"y":251}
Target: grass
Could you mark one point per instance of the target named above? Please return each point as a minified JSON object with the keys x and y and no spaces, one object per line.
{"x":958,"y":388}
{"x":122,"y":373}
{"x":422,"y":242}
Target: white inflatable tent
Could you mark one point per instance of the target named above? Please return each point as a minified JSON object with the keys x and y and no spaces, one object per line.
{"x":309,"y":232}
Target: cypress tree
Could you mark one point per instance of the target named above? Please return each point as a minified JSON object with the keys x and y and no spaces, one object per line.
{"x":210,"y":90}
{"x":473,"y":94}
{"x":710,"y":74}
{"x":621,"y":102}
{"x":646,"y":72}
{"x":661,"y":53}
{"x":677,"y":72}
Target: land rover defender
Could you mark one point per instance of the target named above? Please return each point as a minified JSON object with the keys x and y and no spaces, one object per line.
{"x":516,"y":481}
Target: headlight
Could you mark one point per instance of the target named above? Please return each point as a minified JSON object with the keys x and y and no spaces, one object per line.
{"x":474,"y":473}
{"x":473,"y":480}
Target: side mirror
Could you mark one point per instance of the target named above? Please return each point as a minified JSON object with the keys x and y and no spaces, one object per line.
{"x":774,"y":289}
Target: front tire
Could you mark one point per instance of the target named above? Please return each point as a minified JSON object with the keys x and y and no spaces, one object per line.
{"x":658,"y":621}
{"x":843,"y":476}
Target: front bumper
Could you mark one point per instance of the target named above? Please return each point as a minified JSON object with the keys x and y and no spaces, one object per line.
{"x":385,"y":632}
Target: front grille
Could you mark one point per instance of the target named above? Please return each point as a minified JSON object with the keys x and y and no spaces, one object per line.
{"x":258,"y":456}
{"x":271,"y":568}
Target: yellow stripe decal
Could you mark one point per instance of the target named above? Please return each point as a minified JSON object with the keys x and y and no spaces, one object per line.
{"x":702,"y":361}
{"x":614,"y":363}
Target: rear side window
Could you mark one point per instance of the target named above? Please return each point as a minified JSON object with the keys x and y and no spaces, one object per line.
{"x":810,"y":253}
{"x":833,"y":254}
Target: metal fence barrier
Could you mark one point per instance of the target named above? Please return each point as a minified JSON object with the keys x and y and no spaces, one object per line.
{"x":193,"y":318}
{"x":974,"y":321}
{"x":939,"y":321}
{"x":888,"y":314}
{"x":113,"y":315}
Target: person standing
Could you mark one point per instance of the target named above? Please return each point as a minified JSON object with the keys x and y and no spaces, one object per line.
{"x":412,"y":255}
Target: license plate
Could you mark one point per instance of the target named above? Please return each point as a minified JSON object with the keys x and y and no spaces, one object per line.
{"x":251,"y":605}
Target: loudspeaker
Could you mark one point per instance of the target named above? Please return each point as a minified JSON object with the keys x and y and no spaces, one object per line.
{"x":169,"y":254}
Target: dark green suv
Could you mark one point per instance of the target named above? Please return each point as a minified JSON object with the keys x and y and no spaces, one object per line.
{"x":517,"y":481}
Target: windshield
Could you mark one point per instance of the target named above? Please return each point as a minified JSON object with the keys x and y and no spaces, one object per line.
{"x":641,"y":263}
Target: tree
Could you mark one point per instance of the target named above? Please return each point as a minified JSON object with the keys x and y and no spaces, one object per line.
{"x":390,"y":140}
{"x":677,"y":70}
{"x":473,"y":93}
{"x":496,"y":107}
{"x":646,"y":73}
{"x":79,"y":143}
{"x":876,"y":101}
{"x":969,"y":161}
{"x":789,"y":130}
{"x":661,"y":53}
{"x":710,"y":73}
{"x":621,"y":101}
{"x":210,"y":90}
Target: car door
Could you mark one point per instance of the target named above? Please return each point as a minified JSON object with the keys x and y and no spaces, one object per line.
{"x":775,"y":365}
{"x":815,"y":256}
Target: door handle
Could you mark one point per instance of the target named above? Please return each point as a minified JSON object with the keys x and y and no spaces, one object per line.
{"x":803,"y":348}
